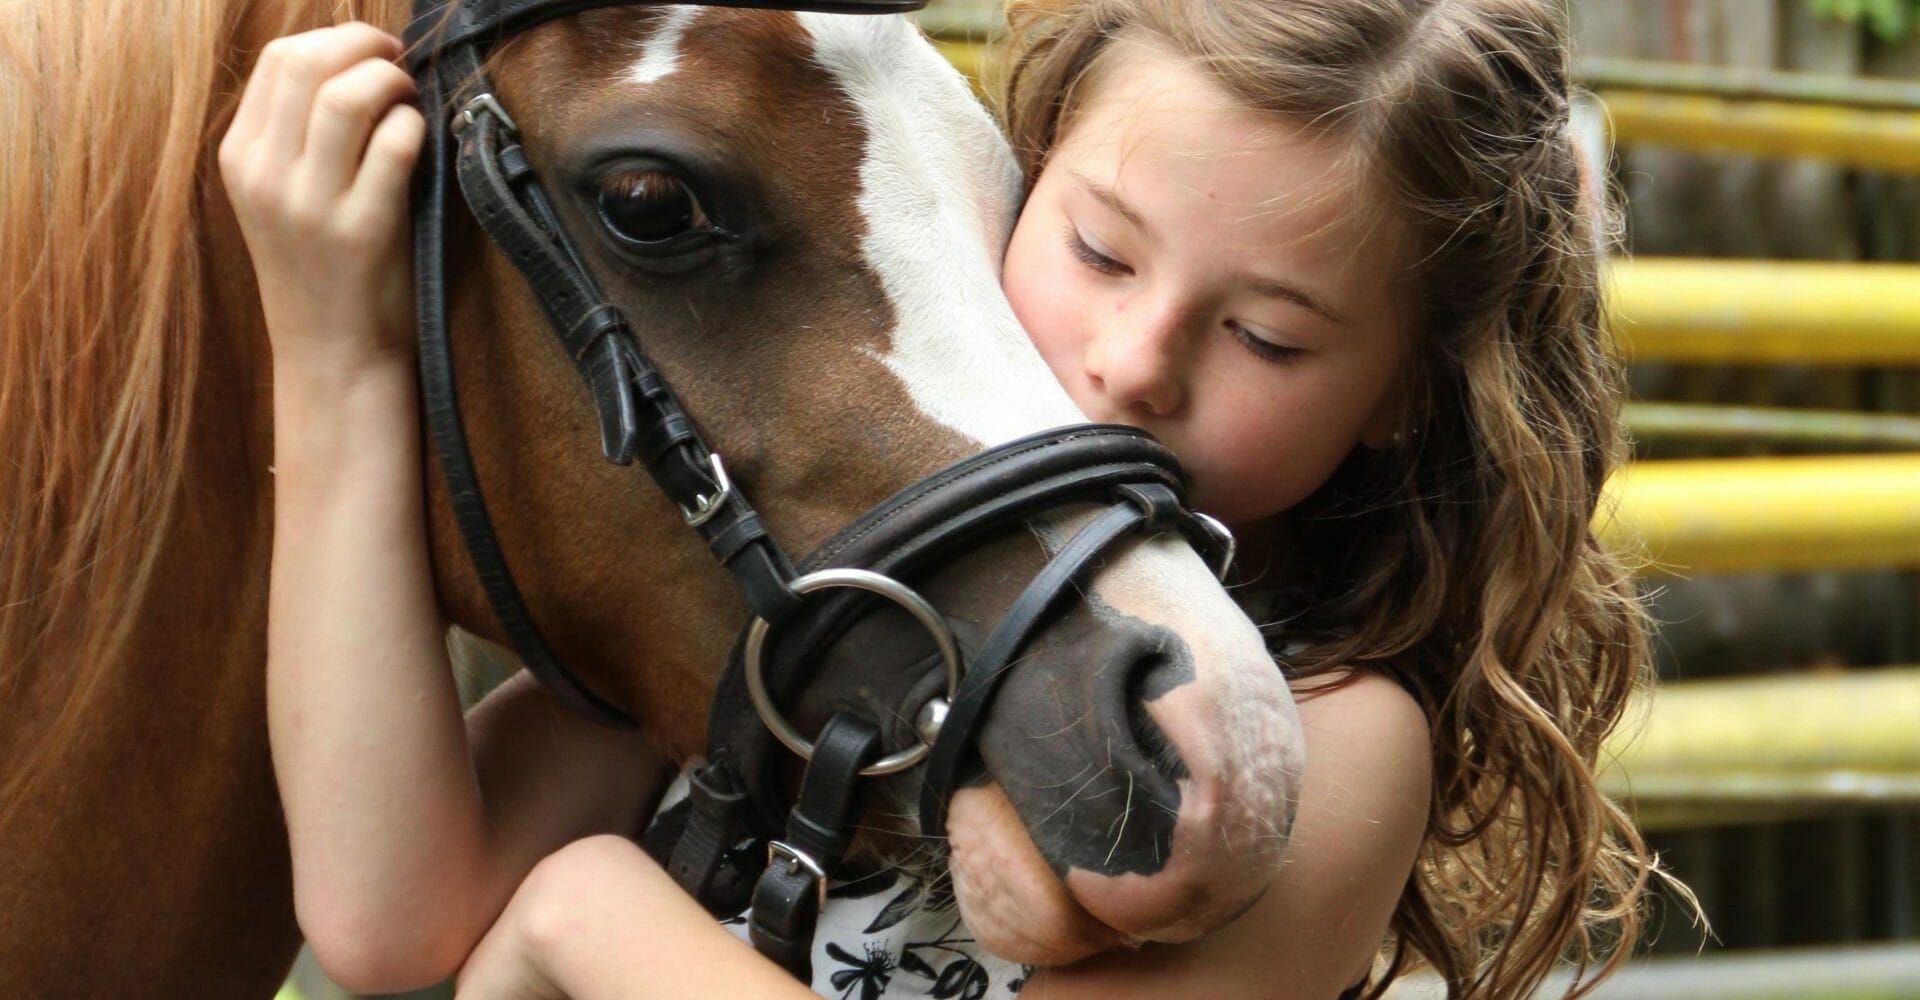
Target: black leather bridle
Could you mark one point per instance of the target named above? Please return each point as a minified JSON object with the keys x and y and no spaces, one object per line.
{"x":729,"y":844}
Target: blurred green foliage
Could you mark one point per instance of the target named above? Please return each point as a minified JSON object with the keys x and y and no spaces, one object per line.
{"x":1891,"y":20}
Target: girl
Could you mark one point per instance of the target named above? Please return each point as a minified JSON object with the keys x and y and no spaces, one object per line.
{"x":1335,"y":253}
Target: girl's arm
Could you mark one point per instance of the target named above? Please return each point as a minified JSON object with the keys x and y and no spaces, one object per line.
{"x":599,"y":920}
{"x":404,"y":851}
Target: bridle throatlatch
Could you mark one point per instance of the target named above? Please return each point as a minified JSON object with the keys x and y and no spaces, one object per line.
{"x":735,"y":841}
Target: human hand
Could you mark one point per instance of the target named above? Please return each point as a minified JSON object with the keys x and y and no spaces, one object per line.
{"x":317,"y":163}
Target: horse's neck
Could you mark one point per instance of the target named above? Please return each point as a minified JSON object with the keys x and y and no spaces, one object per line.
{"x":154,"y":779}
{"x":233,"y":400}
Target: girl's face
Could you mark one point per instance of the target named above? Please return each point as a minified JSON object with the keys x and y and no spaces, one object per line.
{"x":1196,"y":269}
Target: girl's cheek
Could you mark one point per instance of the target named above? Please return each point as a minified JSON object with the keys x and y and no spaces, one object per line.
{"x":1058,"y":334}
{"x":1043,"y":316}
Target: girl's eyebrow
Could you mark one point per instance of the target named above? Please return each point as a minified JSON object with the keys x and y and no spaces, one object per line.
{"x":1273,"y":288}
{"x":1111,"y":198}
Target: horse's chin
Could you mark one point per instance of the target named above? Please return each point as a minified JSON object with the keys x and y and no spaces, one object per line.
{"x":1009,"y":897}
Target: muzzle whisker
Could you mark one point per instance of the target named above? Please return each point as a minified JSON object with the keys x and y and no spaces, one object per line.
{"x":1126,"y":811}
{"x":1069,"y":727}
{"x":1071,"y":799}
{"x":1064,"y":782}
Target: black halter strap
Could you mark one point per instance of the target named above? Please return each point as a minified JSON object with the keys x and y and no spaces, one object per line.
{"x":440,"y":25}
{"x":639,"y":416}
{"x":792,"y":890}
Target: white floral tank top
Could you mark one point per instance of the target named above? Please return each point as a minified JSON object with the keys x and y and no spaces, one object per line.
{"x":888,"y":936}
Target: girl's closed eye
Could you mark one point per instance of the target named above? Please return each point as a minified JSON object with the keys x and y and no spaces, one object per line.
{"x":1092,"y":254}
{"x":1262,"y":344}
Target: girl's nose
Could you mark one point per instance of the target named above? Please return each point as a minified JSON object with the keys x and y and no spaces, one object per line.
{"x":1133,"y":360}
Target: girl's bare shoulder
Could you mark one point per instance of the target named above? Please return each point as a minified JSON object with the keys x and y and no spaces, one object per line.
{"x":1356,"y":717}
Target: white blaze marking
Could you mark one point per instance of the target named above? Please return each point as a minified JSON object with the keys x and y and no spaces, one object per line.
{"x":938,"y":191}
{"x":660,"y":54}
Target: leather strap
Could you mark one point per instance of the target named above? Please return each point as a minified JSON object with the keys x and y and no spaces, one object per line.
{"x":441,"y":404}
{"x":639,"y":415}
{"x":1146,"y":506}
{"x":438,"y":26}
{"x":717,"y":857}
{"x":787,"y":900}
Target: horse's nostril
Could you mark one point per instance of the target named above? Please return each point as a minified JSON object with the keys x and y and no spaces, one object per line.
{"x":1154,"y":675}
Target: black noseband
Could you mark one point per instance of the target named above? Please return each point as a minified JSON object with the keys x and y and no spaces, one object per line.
{"x":723,"y":838}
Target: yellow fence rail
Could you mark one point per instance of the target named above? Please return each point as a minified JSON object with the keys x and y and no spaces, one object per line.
{"x":1680,"y":309}
{"x":1885,"y":140}
{"x":1752,"y":747}
{"x":1601,"y":73}
{"x":1864,"y":123}
{"x":1780,"y":513}
{"x":969,"y":57}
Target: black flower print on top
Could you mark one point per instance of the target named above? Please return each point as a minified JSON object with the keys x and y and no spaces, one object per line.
{"x":870,"y":974}
{"x":956,"y":971}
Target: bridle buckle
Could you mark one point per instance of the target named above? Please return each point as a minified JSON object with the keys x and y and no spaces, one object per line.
{"x":705,"y":506}
{"x":797,"y":859}
{"x":469,"y":115}
{"x":1223,"y":542}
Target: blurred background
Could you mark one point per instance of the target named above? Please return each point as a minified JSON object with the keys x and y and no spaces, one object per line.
{"x":1768,"y":154}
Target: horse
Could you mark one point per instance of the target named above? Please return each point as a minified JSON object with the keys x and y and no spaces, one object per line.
{"x":848,"y":338}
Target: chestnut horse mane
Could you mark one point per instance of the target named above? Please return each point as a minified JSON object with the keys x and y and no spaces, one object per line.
{"x":109,"y":115}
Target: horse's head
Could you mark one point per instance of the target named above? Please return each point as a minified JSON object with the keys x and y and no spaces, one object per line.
{"x":802,"y":216}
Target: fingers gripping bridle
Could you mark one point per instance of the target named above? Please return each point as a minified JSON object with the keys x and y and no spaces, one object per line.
{"x":730,"y":838}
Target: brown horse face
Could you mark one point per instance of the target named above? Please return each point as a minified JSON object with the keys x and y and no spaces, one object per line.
{"x":803,"y":216}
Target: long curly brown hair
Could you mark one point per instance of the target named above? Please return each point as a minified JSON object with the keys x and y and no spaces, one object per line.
{"x":1463,"y":560}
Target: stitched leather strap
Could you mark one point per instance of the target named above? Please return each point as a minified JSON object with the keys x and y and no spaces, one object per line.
{"x":440,"y":402}
{"x":639,"y":415}
{"x":787,"y":900}
{"x":439,"y":26}
{"x":990,"y":665}
{"x":717,"y":857}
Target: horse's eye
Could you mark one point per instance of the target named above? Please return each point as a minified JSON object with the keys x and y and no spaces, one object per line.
{"x":650,"y":207}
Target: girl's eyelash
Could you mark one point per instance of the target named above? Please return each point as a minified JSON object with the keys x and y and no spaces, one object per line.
{"x":1091,"y":257}
{"x":1263,"y":349}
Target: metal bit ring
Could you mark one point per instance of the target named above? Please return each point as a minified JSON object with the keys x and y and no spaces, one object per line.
{"x":874,"y":583}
